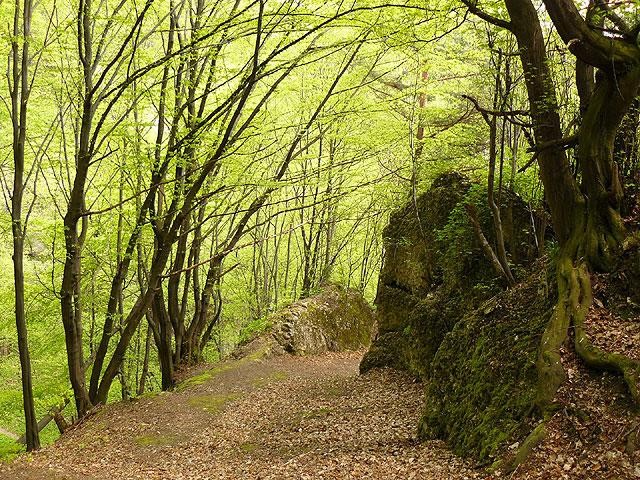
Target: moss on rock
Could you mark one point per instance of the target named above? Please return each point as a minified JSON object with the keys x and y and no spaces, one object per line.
{"x":336,"y":319}
{"x":388,"y":350}
{"x":483,"y":378}
{"x":410,"y":273}
{"x":443,"y":315}
{"x":434,"y":271}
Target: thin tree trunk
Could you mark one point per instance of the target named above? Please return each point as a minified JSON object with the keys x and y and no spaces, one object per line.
{"x":74,"y":236}
{"x":472,"y":212}
{"x":19,"y":87}
{"x":145,"y":363}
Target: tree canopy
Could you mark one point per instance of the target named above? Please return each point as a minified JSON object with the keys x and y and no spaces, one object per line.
{"x":178,"y":170}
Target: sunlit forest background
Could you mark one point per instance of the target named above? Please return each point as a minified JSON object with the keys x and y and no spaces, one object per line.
{"x":232,"y":157}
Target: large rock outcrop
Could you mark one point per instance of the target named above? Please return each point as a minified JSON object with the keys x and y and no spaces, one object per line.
{"x":409,"y":278}
{"x":336,"y":319}
{"x":445,"y":316}
{"x":482,"y":379}
{"x":434,"y":271}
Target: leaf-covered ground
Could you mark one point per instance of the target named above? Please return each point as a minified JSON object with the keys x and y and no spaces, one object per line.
{"x":277,"y":418}
{"x":596,"y":435}
{"x":588,"y":439}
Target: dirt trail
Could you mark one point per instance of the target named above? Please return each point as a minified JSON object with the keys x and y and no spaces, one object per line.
{"x":277,"y":418}
{"x":9,"y":434}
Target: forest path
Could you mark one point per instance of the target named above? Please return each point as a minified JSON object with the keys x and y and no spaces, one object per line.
{"x":277,"y":418}
{"x":9,"y":434}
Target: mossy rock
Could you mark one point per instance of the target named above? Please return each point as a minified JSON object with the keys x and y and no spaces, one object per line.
{"x":394,"y":306}
{"x":483,"y":378}
{"x":428,"y":323}
{"x":434,"y":272}
{"x":337,"y":319}
{"x":387,"y":351}
{"x":425,"y":323}
{"x":444,"y":316}
{"x":410,"y":262}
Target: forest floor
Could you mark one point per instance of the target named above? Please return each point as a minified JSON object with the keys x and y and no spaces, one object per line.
{"x":274,"y":418}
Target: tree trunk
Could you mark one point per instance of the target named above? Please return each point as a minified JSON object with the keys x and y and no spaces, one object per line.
{"x":19,"y":87}
{"x":561,"y":191}
{"x":73,"y":234}
{"x":587,"y":222}
{"x":607,"y":108}
{"x":165,"y":352}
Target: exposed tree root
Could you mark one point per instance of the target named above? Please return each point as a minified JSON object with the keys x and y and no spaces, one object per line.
{"x":593,"y":356}
{"x":551,"y":374}
{"x":599,"y":359}
{"x":535,"y":438}
{"x":574,"y":300}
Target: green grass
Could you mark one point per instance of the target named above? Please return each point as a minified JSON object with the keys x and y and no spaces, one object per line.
{"x":49,"y":385}
{"x":203,"y":377}
{"x":212,"y":403}
{"x":317,"y":413}
{"x":9,"y":449}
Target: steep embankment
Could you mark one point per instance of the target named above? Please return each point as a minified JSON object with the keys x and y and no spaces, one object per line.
{"x":444,"y":316}
{"x":282,"y":417}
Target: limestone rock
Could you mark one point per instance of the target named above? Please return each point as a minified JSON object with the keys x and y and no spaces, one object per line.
{"x":336,"y":319}
{"x":434,"y":272}
{"x":444,"y":316}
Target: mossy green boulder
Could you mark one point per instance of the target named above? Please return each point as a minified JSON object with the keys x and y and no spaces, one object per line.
{"x":445,"y":316}
{"x":482,"y":380}
{"x":335,"y":319}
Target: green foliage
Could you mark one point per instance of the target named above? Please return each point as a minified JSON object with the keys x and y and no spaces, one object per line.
{"x":9,"y":449}
{"x":47,"y":349}
{"x":457,"y":244}
{"x":253,"y":329}
{"x":359,"y":159}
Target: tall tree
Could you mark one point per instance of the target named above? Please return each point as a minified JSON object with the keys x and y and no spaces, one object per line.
{"x":585,"y":208}
{"x":99,"y":68}
{"x":19,"y":88}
